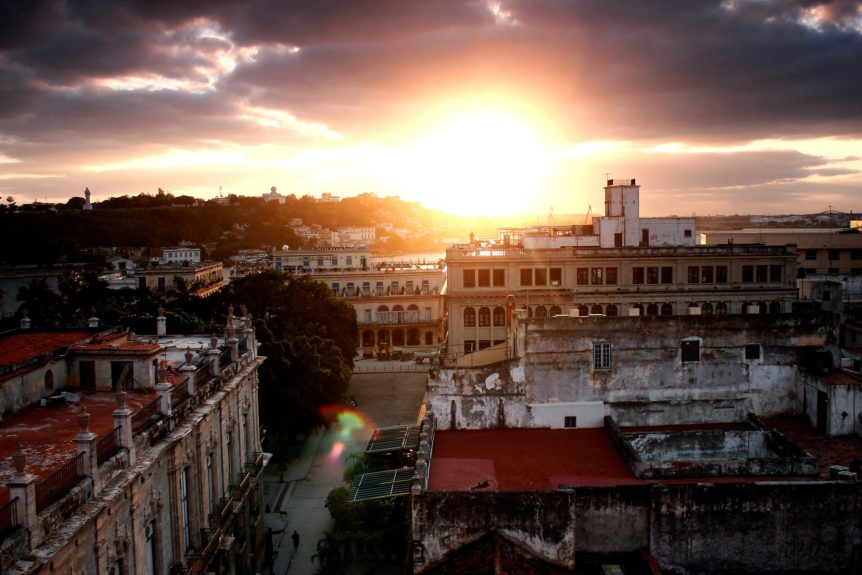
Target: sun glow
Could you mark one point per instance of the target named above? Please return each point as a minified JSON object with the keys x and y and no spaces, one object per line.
{"x":478,"y":163}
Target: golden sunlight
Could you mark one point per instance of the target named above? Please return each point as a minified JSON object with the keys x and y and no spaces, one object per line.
{"x":479,"y":163}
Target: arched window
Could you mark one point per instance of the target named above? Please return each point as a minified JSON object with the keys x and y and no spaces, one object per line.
{"x":499,"y":316}
{"x":555,"y":310}
{"x":706,"y":309}
{"x":484,"y":317}
{"x":49,"y":379}
{"x":721,"y":308}
{"x":583,"y":310}
{"x":469,"y":317}
{"x":652,"y":309}
{"x":413,"y":336}
{"x":775,"y":307}
{"x":367,"y":338}
{"x":383,"y":336}
{"x":398,"y":337}
{"x":745,"y":306}
{"x":383,"y":314}
{"x":596,"y":309}
{"x":611,"y":310}
{"x":541,"y":311}
{"x":429,"y":338}
{"x":412,"y":313}
{"x":762,"y":307}
{"x":398,"y":314}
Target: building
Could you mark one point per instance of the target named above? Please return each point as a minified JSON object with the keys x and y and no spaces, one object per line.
{"x":181,"y":256}
{"x":397,"y":304}
{"x":356,"y":236}
{"x":274,"y":196}
{"x":131,"y":455}
{"x":631,"y":444}
{"x":202,"y":279}
{"x":820,"y":251}
{"x":620,"y":265}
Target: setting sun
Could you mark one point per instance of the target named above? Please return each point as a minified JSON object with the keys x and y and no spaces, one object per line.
{"x":480,"y":163}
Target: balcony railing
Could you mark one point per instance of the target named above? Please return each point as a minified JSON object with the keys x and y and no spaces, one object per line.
{"x":8,"y":518}
{"x":108,"y":445}
{"x":56,"y":485}
{"x":180,"y":393}
{"x":146,"y":417}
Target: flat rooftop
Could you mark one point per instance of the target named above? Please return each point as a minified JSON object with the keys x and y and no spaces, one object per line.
{"x":47,"y":434}
{"x":525,"y":459}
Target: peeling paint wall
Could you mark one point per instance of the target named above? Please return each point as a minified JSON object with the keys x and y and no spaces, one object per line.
{"x":813,"y":527}
{"x":648,"y":383}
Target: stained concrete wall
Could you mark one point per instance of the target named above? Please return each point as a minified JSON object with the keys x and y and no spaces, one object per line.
{"x":813,"y":527}
{"x":777,"y":527}
{"x":647,"y":384}
{"x":543,"y":522}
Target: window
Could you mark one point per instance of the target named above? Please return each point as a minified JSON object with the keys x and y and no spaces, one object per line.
{"x":334,"y":261}
{"x":686,"y":233}
{"x":752,"y":351}
{"x":652,"y":309}
{"x":721,"y":308}
{"x":706,"y":274}
{"x":320,"y":262}
{"x":336,"y":288}
{"x":366,"y":288}
{"x":367,"y":316}
{"x":596,"y":309}
{"x":690,"y":350}
{"x":484,"y":317}
{"x":693,"y":274}
{"x":570,"y":421}
{"x":541,"y":311}
{"x":379,"y":288}
{"x":469,"y":317}
{"x":499,"y":277}
{"x":666,"y":309}
{"x":469,"y":346}
{"x":721,"y":274}
{"x":652,"y":275}
{"x":761,"y":273}
{"x":349,"y":262}
{"x":637,"y":276}
{"x":469,"y":278}
{"x":611,"y":310}
{"x":427,"y":314}
{"x":484,"y":278}
{"x":747,"y":274}
{"x":556,"y":276}
{"x":555,"y":311}
{"x":582,"y":276}
{"x":425,"y":287}
{"x":601,"y":355}
{"x":667,"y":275}
{"x":49,"y":380}
{"x":810,"y":254}
{"x":541,"y":277}
{"x":834,"y":255}
{"x":409,"y":285}
{"x":499,"y":316}
{"x":596,"y":276}
{"x":184,"y":507}
{"x":526,"y":276}
{"x":484,"y":343}
{"x":305,"y":262}
{"x":856,"y":254}
{"x":775,"y":273}
{"x":611,"y":276}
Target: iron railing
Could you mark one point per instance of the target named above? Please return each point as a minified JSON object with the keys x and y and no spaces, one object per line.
{"x":8,"y":517}
{"x":147,"y":416}
{"x":180,"y":393}
{"x":56,"y":485}
{"x":108,"y":445}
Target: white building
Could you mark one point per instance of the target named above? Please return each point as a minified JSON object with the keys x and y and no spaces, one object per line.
{"x":181,"y":255}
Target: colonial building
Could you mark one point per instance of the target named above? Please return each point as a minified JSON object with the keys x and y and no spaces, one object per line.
{"x":202,"y":279}
{"x":130,"y":455}
{"x":620,"y":265}
{"x":820,"y":251}
{"x":398,"y":304}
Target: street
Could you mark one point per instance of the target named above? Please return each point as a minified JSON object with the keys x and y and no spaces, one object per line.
{"x":297,"y":496}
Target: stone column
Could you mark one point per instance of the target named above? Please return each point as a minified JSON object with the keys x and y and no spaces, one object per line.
{"x":86,"y":444}
{"x":188,"y":372}
{"x":23,"y":486}
{"x":163,"y":392}
{"x":123,"y":420}
{"x":234,"y":349}
{"x":161,"y":323}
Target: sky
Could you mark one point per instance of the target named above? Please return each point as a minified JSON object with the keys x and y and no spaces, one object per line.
{"x":472,"y":107}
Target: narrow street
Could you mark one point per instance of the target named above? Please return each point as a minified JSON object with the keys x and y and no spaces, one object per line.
{"x":296,"y":497}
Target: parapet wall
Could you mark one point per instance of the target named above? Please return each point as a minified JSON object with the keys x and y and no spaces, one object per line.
{"x":703,"y":528}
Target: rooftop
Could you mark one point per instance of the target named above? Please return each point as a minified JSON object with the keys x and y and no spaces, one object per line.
{"x":21,"y":346}
{"x":47,"y":434}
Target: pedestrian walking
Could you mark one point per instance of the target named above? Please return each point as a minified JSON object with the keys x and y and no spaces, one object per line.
{"x":295,"y":538}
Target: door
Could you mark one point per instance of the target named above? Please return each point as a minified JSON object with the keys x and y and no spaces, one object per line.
{"x":822,"y":411}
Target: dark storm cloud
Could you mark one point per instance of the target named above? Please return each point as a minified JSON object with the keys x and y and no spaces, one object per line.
{"x":660,"y":71}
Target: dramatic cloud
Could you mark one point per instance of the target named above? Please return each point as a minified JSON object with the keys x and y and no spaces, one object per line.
{"x":91,"y":87}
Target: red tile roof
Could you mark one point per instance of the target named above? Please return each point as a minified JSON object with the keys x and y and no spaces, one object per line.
{"x":21,"y":346}
{"x":525,"y":459}
{"x":46,"y":434}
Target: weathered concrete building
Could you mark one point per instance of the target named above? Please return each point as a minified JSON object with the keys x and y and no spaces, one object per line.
{"x":621,"y":265}
{"x":147,"y":462}
{"x":630,"y":440}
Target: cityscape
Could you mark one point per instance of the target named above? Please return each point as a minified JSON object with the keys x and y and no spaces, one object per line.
{"x":445,"y":288}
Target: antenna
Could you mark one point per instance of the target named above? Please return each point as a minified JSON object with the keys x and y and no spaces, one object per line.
{"x":589,"y":213}
{"x":551,"y":220}
{"x":607,"y":177}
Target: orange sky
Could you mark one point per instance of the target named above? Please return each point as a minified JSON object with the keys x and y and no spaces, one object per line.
{"x":473,"y":107}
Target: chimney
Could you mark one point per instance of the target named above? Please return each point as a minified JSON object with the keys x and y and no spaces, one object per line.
{"x":161,"y":323}
{"x":25,"y":319}
{"x":93,"y":321}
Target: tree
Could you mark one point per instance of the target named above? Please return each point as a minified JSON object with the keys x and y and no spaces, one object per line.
{"x":43,"y":304}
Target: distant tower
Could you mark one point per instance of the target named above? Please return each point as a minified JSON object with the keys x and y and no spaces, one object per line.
{"x":272,"y":190}
{"x":87,"y":204}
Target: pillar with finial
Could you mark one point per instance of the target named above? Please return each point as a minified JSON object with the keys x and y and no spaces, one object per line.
{"x":161,"y":323}
{"x":85,"y":442}
{"x":123,"y":420}
{"x":25,"y":318}
{"x":22,"y":486}
{"x":93,"y":321}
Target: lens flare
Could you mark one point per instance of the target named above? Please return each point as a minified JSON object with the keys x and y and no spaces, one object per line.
{"x":336,"y":451}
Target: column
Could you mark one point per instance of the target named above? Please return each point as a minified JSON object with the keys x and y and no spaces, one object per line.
{"x":23,"y":486}
{"x":123,"y":419}
{"x":85,"y":442}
